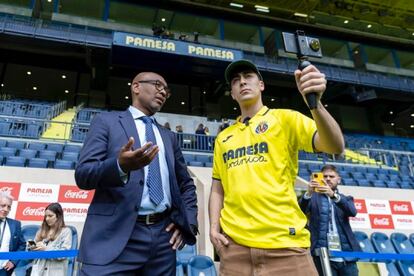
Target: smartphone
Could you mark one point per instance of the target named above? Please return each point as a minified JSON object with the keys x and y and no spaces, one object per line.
{"x":318,"y":177}
{"x":31,"y":243}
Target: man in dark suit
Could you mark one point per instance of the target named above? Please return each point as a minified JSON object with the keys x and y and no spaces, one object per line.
{"x":11,"y":238}
{"x":145,"y":206}
{"x":329,"y":213}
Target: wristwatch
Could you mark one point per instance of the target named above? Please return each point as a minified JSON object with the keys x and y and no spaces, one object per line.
{"x":336,"y":197}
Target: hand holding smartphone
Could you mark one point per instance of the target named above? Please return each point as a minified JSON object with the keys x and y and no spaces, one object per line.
{"x":31,"y":243}
{"x":318,"y":177}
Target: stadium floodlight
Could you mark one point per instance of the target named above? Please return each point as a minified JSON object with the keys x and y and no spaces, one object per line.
{"x":262,"y":10}
{"x":236,"y":5}
{"x":304,"y":47}
{"x":67,"y":91}
{"x":346,"y":21}
{"x":261,"y":7}
{"x":299,"y":14}
{"x":369,"y":26}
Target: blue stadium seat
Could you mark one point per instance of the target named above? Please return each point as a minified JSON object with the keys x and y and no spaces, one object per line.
{"x":71,"y":264}
{"x":195,"y":164}
{"x":49,"y":155}
{"x":371,"y":176}
{"x":16,"y":144}
{"x":364,"y":242}
{"x":208,"y":164}
{"x":5,"y":151}
{"x":37,"y":163}
{"x":64,"y":164}
{"x":29,"y":233}
{"x":28,"y":153}
{"x":382,"y":244}
{"x":37,"y":146}
{"x":406,"y":185}
{"x":406,"y":268}
{"x":189,"y":157}
{"x":201,"y":265}
{"x":15,"y":161}
{"x":203,"y":158}
{"x":55,"y":147}
{"x":70,"y":156}
{"x":3,"y":143}
{"x":72,"y":148}
{"x":401,"y":243}
{"x":383,"y":176}
{"x":392,"y":184}
{"x":363,"y":182}
{"x":185,"y":254}
{"x":411,"y":237}
{"x":379,"y":183}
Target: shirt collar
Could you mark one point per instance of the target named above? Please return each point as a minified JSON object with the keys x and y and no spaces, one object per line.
{"x":136,"y":113}
{"x":260,"y":113}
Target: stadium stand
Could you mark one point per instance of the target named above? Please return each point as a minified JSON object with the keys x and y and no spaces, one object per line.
{"x":370,"y":89}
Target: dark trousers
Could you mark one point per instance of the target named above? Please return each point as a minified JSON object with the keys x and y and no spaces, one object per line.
{"x":147,"y":253}
{"x":338,"y":268}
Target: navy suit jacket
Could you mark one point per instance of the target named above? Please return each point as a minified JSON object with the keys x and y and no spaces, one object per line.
{"x":17,"y":242}
{"x":113,"y":212}
{"x":344,"y":209}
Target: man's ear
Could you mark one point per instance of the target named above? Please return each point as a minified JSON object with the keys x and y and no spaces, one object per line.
{"x":135,"y":88}
{"x":262,"y":86}
{"x":231,"y":94}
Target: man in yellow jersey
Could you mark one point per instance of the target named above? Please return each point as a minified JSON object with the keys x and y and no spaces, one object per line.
{"x":256,"y":224}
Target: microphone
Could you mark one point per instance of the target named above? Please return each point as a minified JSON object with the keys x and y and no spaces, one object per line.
{"x":310,"y":97}
{"x":246,"y":121}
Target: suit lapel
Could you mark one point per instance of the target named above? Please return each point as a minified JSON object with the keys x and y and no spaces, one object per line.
{"x":128,"y":124}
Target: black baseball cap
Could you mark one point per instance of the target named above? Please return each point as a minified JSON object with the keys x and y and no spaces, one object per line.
{"x":240,"y":66}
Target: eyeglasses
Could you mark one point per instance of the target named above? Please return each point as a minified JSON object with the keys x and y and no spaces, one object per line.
{"x":159,"y":86}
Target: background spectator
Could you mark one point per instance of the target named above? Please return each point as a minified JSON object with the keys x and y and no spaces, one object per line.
{"x":52,"y":235}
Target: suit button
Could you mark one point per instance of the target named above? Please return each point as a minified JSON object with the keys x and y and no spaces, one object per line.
{"x":141,"y":182}
{"x":136,"y":209}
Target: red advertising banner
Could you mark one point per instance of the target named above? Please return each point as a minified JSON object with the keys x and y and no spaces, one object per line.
{"x":401,"y":207}
{"x":361,"y":206}
{"x":381,"y":221}
{"x":72,"y":194}
{"x":13,"y":188}
{"x":31,"y":211}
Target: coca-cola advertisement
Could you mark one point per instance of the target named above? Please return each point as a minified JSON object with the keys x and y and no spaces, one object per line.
{"x":360,"y":206}
{"x":70,"y":193}
{"x":31,"y":211}
{"x":381,"y":221}
{"x":36,"y":192}
{"x":12,"y":188}
{"x":401,"y":207}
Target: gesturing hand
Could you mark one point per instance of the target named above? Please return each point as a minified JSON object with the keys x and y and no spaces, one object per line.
{"x":130,"y":159}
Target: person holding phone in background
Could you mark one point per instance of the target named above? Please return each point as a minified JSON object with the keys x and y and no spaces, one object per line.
{"x":52,"y":235}
{"x":329,"y":212}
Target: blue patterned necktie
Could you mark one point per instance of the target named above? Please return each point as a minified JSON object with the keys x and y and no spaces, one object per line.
{"x":154,"y":182}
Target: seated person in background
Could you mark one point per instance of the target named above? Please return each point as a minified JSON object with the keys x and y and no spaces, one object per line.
{"x":167,"y":125}
{"x":200,"y":129}
{"x":11,"y":238}
{"x":329,"y":213}
{"x":52,"y":235}
{"x":179,"y":129}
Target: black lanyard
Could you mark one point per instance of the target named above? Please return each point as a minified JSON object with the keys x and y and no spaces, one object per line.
{"x":2,"y":232}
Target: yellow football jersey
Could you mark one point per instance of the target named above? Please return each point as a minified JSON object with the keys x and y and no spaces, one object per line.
{"x":257,"y":166}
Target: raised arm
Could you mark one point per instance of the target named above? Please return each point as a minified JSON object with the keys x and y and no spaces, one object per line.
{"x":329,"y":137}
